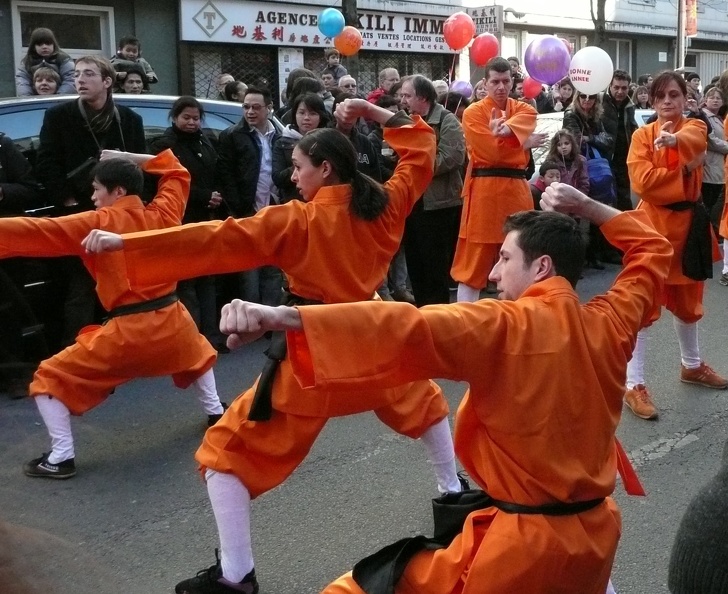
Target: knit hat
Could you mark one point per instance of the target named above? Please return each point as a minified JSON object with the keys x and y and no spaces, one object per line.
{"x":691,"y":75}
{"x":699,"y":559}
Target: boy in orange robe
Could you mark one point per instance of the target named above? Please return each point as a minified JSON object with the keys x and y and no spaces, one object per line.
{"x":665,"y":169}
{"x":542,"y":445}
{"x":149,"y":332}
{"x":496,"y":129}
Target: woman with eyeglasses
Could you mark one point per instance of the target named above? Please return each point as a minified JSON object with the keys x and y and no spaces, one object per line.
{"x":665,"y":164}
{"x":334,"y":247}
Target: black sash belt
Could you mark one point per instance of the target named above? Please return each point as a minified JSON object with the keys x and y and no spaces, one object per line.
{"x":498,"y":172}
{"x":697,"y":256}
{"x":142,"y":306}
{"x":380,"y":572}
{"x":261,"y":408}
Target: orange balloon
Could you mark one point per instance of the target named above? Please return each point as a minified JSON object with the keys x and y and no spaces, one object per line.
{"x":348,"y":42}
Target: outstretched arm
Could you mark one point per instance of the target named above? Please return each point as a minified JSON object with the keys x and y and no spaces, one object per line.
{"x":568,"y":200}
{"x":245,"y":322}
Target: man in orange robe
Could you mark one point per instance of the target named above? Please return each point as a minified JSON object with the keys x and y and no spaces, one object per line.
{"x":539,"y":441}
{"x":329,"y":256}
{"x":150,"y":332}
{"x":496,"y":129}
{"x":665,"y":169}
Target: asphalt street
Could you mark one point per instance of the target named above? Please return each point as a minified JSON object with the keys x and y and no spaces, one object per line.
{"x":136,"y":518}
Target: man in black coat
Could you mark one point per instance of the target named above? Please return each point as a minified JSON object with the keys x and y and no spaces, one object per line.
{"x":620,"y":123}
{"x":71,"y":140}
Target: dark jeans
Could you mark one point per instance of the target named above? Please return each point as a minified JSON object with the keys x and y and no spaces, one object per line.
{"x":429,"y":243}
{"x":714,"y":198}
{"x":621,"y":178}
{"x":199,"y":296}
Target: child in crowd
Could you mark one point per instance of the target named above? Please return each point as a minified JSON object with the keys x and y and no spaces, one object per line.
{"x":43,"y":51}
{"x":548,"y":174}
{"x":127,"y":55}
{"x":572,"y":165}
{"x":333,"y":57}
{"x":46,"y":81}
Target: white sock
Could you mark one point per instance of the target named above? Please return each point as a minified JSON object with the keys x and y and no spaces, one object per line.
{"x":207,"y":393}
{"x":231,"y":504}
{"x":636,"y":365}
{"x":687,"y":336}
{"x":438,"y":443}
{"x":57,"y":419}
{"x":610,"y":588}
{"x":468,"y":293}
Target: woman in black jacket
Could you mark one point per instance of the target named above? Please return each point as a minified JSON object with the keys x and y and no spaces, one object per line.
{"x":197,"y":154}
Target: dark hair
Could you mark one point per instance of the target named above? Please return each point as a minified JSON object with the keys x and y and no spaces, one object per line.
{"x":330,"y":51}
{"x":643,"y":79}
{"x":553,"y":234}
{"x":231,"y":89}
{"x":368,"y":198}
{"x":548,"y":165}
{"x":183,"y":103}
{"x":423,"y":88}
{"x":136,"y":69}
{"x":257,"y":91}
{"x":115,"y":173}
{"x":313,"y":102}
{"x":515,"y":59}
{"x":41,"y":35}
{"x":337,"y":93}
{"x":660,"y":82}
{"x":621,"y":75}
{"x":452,"y":101}
{"x":554,"y":146}
{"x":306,"y":85}
{"x":637,"y":91}
{"x":386,"y":101}
{"x":293,"y":76}
{"x":691,"y":75}
{"x":129,"y":40}
{"x":499,"y":65}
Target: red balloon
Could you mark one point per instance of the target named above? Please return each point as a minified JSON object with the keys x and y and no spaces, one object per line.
{"x":531,"y":88}
{"x":458,"y":30}
{"x":348,"y":42}
{"x":484,"y":48}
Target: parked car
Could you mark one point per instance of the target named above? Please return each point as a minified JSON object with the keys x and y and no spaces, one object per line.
{"x":30,"y":316}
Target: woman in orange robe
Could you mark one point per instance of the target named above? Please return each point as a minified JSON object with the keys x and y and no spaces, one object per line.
{"x":335,"y":247}
{"x":158,"y":341}
{"x":665,"y":169}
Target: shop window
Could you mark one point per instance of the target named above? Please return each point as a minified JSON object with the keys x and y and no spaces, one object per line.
{"x":80,"y":30}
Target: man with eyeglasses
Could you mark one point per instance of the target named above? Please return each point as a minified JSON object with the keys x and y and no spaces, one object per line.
{"x":348,"y":84}
{"x":244,"y":176}
{"x":619,"y":122}
{"x":71,"y":140}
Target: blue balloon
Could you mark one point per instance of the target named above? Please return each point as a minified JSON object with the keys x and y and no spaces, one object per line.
{"x":331,"y":22}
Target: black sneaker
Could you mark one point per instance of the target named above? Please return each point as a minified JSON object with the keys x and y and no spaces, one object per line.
{"x":212,"y":419}
{"x":40,"y":467}
{"x":209,"y":581}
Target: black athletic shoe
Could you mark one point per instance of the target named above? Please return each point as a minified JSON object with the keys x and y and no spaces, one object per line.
{"x":212,"y":419}
{"x":40,"y":467}
{"x":208,"y":581}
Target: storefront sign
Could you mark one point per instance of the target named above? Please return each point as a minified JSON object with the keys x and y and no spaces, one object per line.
{"x":487,"y":19}
{"x":691,"y":18}
{"x":296,"y":25}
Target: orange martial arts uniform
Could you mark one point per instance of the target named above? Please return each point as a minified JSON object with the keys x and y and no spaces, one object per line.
{"x":657,"y":177}
{"x":537,"y":425}
{"x":161,"y":342}
{"x":489,"y":200}
{"x":328,"y":255}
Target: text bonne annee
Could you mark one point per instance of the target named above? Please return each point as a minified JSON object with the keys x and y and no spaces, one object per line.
{"x":580,"y":75}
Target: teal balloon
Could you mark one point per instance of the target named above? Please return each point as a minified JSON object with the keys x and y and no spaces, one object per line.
{"x":331,"y":22}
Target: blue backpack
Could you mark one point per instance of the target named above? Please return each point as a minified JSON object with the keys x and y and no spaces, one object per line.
{"x":601,"y":178}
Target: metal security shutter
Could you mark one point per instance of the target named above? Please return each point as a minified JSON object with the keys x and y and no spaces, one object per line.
{"x":710,"y":64}
{"x":252,"y":65}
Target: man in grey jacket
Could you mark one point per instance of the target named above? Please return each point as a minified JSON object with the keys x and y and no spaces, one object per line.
{"x":432,"y":227}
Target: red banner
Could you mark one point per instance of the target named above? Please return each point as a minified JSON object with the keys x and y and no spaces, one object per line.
{"x":691,"y":18}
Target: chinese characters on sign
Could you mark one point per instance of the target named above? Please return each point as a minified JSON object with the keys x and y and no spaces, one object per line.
{"x":487,"y":19}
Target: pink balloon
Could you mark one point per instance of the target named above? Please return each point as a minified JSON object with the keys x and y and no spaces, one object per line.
{"x":531,"y":88}
{"x":458,"y":30}
{"x":484,"y":48}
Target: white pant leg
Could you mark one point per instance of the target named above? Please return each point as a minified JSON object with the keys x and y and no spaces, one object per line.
{"x":636,"y":365}
{"x":467,"y":293}
{"x":441,"y":452}
{"x":57,"y":419}
{"x":687,"y":336}
{"x":231,"y":505}
{"x":207,"y":393}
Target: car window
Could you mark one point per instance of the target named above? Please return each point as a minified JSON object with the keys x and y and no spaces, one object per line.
{"x":23,"y":126}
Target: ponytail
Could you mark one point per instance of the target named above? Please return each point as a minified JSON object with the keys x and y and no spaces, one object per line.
{"x":368,"y":197}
